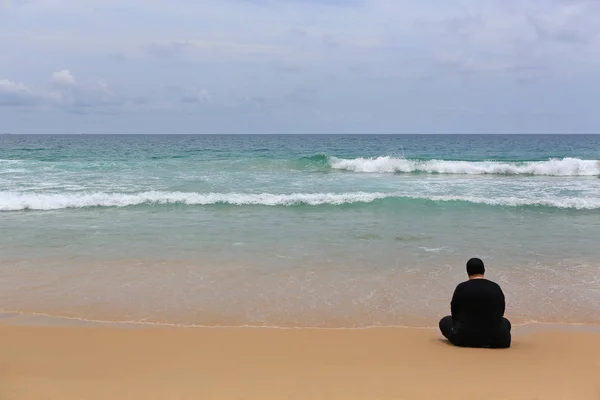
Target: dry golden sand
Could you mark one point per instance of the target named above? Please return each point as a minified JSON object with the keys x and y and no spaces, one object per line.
{"x":107,"y":362}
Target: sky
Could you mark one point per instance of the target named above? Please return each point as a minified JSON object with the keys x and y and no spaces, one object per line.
{"x":299,"y":66}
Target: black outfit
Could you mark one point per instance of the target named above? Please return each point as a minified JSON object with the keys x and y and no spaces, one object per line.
{"x":477,"y":318}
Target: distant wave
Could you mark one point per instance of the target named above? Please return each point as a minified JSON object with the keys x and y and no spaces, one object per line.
{"x":385,"y":164}
{"x":319,"y":158}
{"x":16,"y":201}
{"x":553,"y":167}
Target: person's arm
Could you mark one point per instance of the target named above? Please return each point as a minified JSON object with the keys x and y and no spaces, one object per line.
{"x":501,"y":302}
{"x":455,"y":304}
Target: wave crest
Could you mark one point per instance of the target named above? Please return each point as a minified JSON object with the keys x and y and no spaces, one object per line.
{"x":14,"y":201}
{"x":17,"y":201}
{"x":552,"y":167}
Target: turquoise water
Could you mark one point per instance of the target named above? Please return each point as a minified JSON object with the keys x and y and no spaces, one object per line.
{"x":296,"y":230}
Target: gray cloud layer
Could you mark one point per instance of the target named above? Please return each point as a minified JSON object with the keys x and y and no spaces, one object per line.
{"x":300,"y":66}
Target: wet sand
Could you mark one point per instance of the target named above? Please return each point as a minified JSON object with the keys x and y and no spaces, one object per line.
{"x":92,"y":361}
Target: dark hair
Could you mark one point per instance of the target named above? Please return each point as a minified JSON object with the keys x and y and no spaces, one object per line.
{"x":475,"y":267}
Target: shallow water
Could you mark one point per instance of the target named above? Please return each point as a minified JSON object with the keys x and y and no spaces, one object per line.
{"x":296,"y":230}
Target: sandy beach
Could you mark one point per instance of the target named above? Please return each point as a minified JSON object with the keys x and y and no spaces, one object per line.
{"x":115,"y":362}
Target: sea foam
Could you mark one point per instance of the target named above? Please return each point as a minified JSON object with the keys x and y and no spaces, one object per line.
{"x":16,"y":201}
{"x":13,"y":201}
{"x":552,"y":167}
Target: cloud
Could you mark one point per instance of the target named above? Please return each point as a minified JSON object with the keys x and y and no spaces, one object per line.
{"x":571,"y":22}
{"x":63,"y":78}
{"x":65,"y":93}
{"x":215,"y":49}
{"x":200,"y":96}
{"x":318,"y":65}
{"x":462,"y":25}
{"x":13,"y":94}
{"x":168,"y":49}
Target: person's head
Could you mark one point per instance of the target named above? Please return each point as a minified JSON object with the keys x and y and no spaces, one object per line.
{"x":475,"y":268}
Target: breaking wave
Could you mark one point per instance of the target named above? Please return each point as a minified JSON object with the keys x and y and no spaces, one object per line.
{"x":17,"y":201}
{"x":552,"y":167}
{"x":13,"y":201}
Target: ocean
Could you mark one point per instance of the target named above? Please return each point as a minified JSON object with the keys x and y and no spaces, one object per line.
{"x":337,"y":231}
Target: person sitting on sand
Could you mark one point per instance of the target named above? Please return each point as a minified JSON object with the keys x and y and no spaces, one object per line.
{"x":477,"y":307}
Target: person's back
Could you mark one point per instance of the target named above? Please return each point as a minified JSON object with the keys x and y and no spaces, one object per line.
{"x":477,"y":307}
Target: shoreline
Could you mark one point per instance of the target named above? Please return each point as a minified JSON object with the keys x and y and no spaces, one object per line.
{"x":235,"y":294}
{"x":44,"y":320}
{"x":108,"y":361}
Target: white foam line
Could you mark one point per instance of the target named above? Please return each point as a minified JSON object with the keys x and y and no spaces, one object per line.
{"x":17,"y":201}
{"x":176,"y":325}
{"x":553,"y":167}
{"x":14,"y":201}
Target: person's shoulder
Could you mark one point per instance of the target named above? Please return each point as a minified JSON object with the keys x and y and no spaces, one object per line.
{"x":462,"y":285}
{"x":492,"y":283}
{"x":478,"y":282}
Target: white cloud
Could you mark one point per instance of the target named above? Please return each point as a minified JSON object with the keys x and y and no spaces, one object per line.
{"x":15,"y":94}
{"x":66,"y":94}
{"x":63,"y":78}
{"x":199,"y":96}
{"x":7,"y":86}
